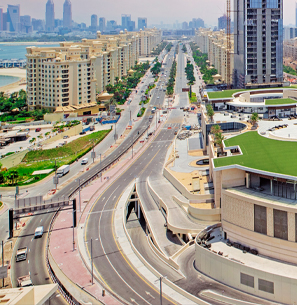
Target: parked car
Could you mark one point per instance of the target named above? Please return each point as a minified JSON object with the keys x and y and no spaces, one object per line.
{"x":82,"y":133}
{"x":37,"y":129}
{"x":65,"y":137}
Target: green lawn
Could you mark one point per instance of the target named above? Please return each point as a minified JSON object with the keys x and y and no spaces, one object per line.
{"x":229,"y":93}
{"x":45,"y":159}
{"x":262,"y":153}
{"x":280,"y":101}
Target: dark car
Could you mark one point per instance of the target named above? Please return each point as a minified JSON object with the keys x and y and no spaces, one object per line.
{"x":82,"y":132}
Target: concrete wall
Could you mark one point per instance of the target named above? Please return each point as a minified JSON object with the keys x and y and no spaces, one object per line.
{"x":73,"y":131}
{"x":245,"y":97}
{"x":182,"y":189}
{"x":289,"y":93}
{"x":238,"y":222}
{"x":53,"y":117}
{"x":205,"y":214}
{"x":228,"y":272}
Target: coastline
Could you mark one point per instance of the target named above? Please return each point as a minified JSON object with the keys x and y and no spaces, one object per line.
{"x":24,"y":43}
{"x":15,"y":86}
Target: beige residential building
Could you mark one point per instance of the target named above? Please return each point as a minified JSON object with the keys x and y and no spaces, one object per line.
{"x":72,"y":73}
{"x":290,"y":49}
{"x":215,"y":45}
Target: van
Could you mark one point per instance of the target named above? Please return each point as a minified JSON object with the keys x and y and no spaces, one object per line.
{"x":84,"y":161}
{"x":38,"y":232}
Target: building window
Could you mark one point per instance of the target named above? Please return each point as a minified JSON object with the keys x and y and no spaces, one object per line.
{"x":280,"y":221}
{"x":260,"y":219}
{"x":247,"y":280}
{"x":266,"y":286}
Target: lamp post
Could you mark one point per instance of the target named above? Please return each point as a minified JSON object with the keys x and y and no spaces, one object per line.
{"x":160,"y":279}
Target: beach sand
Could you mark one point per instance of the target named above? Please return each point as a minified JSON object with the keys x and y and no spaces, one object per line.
{"x":16,"y":86}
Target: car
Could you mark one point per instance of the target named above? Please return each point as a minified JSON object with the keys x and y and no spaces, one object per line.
{"x":158,"y":96}
{"x":84,"y":161}
{"x":38,"y":232}
{"x":37,"y":129}
{"x":82,"y":133}
{"x":65,"y":137}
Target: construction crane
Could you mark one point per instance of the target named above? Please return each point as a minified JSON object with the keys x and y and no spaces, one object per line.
{"x":228,"y":59}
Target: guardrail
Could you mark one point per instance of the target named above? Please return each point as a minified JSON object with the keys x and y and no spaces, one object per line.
{"x":97,"y":174}
{"x":63,"y":291}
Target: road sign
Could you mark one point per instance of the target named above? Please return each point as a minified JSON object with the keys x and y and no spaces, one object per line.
{"x":116,"y":136}
{"x":3,"y":272}
{"x":93,"y":155}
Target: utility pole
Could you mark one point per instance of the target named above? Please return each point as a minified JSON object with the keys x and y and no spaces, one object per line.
{"x":161,"y":290}
{"x":2,"y":261}
{"x":79,"y":198}
{"x":100,"y":167}
{"x":92,"y":261}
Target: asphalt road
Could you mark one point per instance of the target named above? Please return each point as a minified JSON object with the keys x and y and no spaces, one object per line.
{"x":35,"y":263}
{"x":116,"y":272}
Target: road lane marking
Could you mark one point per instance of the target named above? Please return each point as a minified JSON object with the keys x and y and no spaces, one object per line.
{"x":28,"y":261}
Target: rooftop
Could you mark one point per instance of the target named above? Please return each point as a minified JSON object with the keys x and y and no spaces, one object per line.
{"x":262,"y":154}
{"x":229,"y":93}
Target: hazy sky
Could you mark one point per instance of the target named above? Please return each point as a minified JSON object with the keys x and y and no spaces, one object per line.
{"x":156,"y":11}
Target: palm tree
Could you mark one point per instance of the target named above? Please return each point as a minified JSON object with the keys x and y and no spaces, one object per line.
{"x":210,"y":111}
{"x":220,"y":141}
{"x":215,"y":129}
{"x":32,"y":140}
{"x":254,"y":118}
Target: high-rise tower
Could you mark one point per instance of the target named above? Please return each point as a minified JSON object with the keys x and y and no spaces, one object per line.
{"x":258,"y":43}
{"x":67,"y":14}
{"x":50,"y":16}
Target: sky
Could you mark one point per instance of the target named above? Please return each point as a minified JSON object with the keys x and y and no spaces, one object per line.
{"x":156,"y":11}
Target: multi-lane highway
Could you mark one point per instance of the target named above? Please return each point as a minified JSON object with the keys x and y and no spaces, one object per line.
{"x":116,"y":272}
{"x":35,"y":264}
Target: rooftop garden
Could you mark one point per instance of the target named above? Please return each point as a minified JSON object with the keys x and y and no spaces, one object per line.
{"x":280,"y":101}
{"x":229,"y":93}
{"x":262,"y":153}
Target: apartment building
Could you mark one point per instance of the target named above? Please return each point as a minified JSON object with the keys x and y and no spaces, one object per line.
{"x":258,"y":45}
{"x":72,"y":73}
{"x":215,"y":45}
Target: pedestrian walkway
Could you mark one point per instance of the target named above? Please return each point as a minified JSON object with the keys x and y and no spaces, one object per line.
{"x":67,"y":254}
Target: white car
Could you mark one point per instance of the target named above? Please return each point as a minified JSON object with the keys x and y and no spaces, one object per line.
{"x":158,"y":97}
{"x":38,"y":232}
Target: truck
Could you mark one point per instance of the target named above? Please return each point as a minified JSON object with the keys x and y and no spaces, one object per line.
{"x":24,"y":281}
{"x":21,"y":254}
{"x":63,"y":170}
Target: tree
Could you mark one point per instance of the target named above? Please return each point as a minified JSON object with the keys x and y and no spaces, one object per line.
{"x":2,"y":178}
{"x":254,"y":118}
{"x":32,"y":140}
{"x":210,"y":111}
{"x":215,"y":129}
{"x":219,"y":140}
{"x":13,"y":176}
{"x":47,"y":134}
{"x":40,"y":136}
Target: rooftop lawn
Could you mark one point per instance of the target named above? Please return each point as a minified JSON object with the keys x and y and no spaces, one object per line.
{"x":262,"y":153}
{"x":229,"y":93}
{"x":280,"y":101}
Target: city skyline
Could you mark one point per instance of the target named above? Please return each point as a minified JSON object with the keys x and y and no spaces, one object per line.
{"x":114,"y":9}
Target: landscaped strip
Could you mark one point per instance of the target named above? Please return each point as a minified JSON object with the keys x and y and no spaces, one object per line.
{"x":45,"y":159}
{"x":262,"y":153}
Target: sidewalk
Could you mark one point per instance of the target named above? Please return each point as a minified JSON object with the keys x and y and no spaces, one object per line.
{"x":63,"y":253}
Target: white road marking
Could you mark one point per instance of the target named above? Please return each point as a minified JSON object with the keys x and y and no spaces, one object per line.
{"x":40,"y":220}
{"x":148,"y":293}
{"x":28,"y":261}
{"x":29,"y":250}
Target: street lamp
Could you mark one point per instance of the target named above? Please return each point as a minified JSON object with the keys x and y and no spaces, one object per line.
{"x":92,"y":263}
{"x":160,"y":279}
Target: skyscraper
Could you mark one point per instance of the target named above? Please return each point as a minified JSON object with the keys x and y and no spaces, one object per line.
{"x":50,"y":16}
{"x":13,"y":18}
{"x":94,"y":22}
{"x":126,"y":19}
{"x":222,"y":23}
{"x":1,"y":19}
{"x":102,"y":24}
{"x":67,"y":14}
{"x":258,"y":43}
{"x":142,"y":23}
